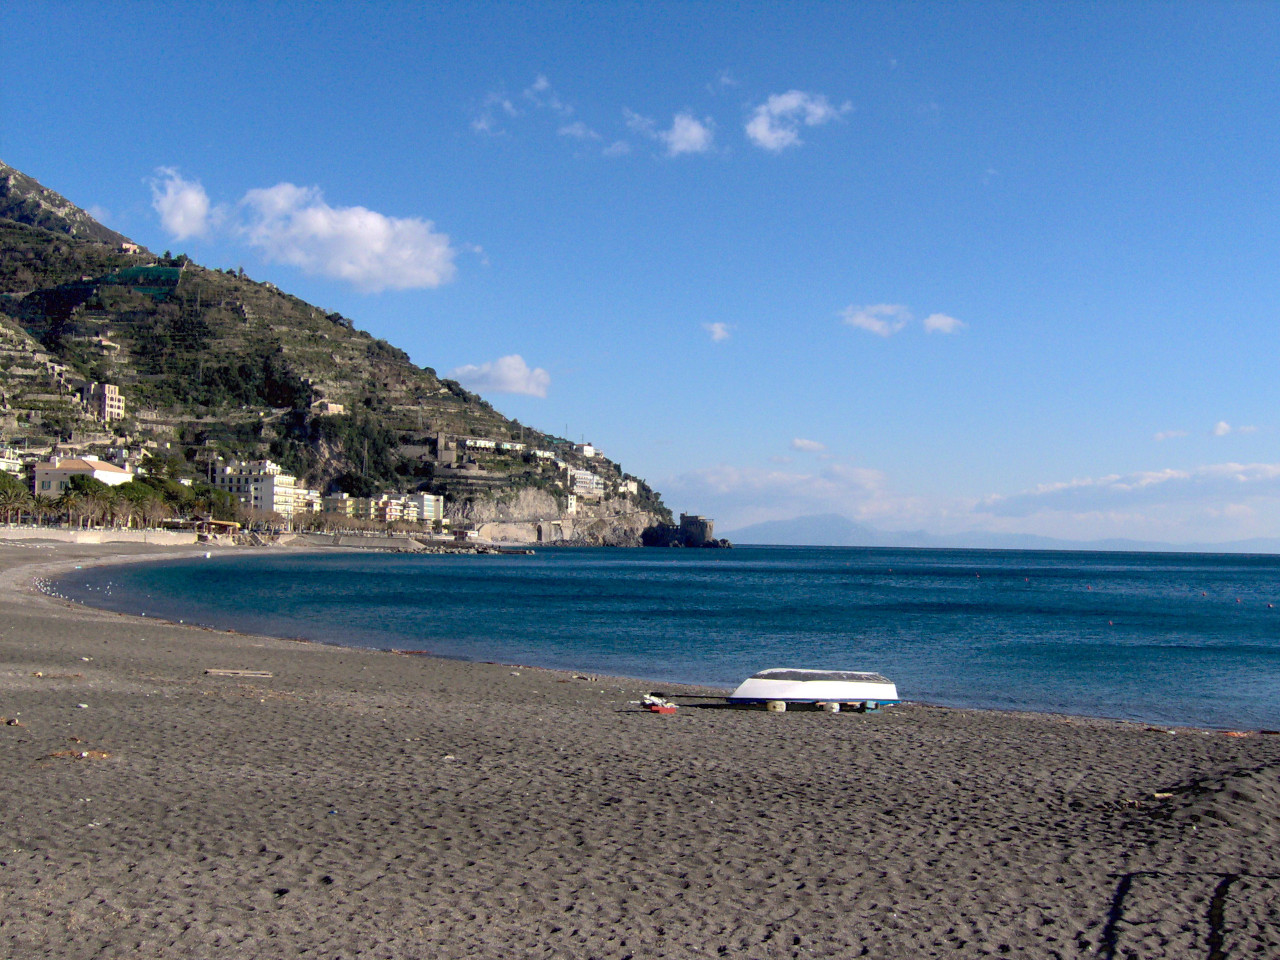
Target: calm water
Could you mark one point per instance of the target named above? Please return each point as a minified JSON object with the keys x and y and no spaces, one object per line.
{"x":1165,"y":638}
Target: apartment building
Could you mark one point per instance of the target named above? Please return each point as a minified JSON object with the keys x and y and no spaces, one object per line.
{"x":260,"y":485}
{"x":103,"y":401}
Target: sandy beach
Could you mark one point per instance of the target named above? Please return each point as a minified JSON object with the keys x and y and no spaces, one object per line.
{"x":356,"y":803}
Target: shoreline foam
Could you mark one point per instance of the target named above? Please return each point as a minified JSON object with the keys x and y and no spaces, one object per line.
{"x":361,"y":801}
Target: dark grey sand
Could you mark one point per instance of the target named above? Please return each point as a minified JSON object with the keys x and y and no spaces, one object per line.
{"x":368,"y":804}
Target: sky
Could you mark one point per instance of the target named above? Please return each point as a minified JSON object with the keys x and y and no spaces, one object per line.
{"x":953,"y":267}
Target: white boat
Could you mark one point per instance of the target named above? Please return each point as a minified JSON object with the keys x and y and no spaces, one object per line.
{"x":789,"y":685}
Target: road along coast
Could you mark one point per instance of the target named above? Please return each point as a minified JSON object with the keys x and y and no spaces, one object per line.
{"x":306,"y":799}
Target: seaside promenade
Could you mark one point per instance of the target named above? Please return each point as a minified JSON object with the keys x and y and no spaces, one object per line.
{"x":356,"y":803}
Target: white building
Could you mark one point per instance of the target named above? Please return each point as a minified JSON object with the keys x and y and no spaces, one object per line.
{"x":585,"y":483}
{"x":9,"y":461}
{"x":54,"y":476}
{"x":584,"y":450}
{"x":260,"y":485}
{"x":425,"y":507}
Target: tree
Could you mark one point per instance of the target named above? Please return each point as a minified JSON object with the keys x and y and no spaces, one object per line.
{"x":72,"y":502}
{"x":43,"y":506}
{"x":14,"y":501}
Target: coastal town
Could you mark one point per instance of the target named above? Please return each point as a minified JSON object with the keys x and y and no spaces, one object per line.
{"x":64,"y":480}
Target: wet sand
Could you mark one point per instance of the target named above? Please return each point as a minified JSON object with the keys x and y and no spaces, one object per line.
{"x":368,"y":804}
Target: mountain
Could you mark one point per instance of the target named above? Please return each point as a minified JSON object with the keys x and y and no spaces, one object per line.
{"x":215,"y":364}
{"x":833,"y":530}
{"x":25,"y":201}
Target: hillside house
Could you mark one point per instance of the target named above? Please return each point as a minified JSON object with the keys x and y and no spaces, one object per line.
{"x":102,"y":400}
{"x":53,"y":477}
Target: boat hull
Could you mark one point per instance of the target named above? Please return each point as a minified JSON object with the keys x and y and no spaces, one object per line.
{"x":815,"y":686}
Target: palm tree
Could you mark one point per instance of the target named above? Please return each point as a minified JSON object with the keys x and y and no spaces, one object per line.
{"x":13,"y":500}
{"x":43,"y":506}
{"x":105,"y":504}
{"x":72,"y":503}
{"x":153,"y":510}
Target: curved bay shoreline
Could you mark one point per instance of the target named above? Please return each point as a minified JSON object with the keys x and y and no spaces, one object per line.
{"x":364,"y":803}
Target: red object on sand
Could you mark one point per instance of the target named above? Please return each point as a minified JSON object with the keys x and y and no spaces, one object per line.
{"x":660,"y":708}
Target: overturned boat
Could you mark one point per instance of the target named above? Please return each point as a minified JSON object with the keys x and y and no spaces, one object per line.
{"x":790,"y":685}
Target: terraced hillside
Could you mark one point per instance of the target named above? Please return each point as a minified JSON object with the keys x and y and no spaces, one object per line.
{"x":216,"y":364}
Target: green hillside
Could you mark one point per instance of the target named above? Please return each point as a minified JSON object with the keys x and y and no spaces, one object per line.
{"x":216,"y":364}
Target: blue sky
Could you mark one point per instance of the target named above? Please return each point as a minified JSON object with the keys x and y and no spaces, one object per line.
{"x":952,"y":267}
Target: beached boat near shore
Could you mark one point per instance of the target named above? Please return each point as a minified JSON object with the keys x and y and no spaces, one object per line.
{"x":791,"y":685}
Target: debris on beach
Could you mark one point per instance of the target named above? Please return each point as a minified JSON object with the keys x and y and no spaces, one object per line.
{"x":219,"y":672}
{"x":79,"y":755}
{"x":655,"y":703}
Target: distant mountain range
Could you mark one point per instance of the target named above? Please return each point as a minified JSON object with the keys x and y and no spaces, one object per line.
{"x":833,"y":530}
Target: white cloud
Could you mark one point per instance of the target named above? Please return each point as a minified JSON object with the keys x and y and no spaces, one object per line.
{"x":184,"y":207}
{"x":687,"y":133}
{"x":738,"y":496}
{"x":941,"y":323}
{"x":487,"y":121}
{"x":619,"y":148}
{"x":1169,"y":435}
{"x":1222,"y":429}
{"x":719,"y":331}
{"x":809,"y":446}
{"x":294,"y":225}
{"x":640,"y":123}
{"x":541,"y":95}
{"x":1215,"y":484}
{"x":723,"y":80}
{"x":578,"y":131}
{"x":882,"y":319}
{"x":775,"y":124}
{"x":508,"y":374}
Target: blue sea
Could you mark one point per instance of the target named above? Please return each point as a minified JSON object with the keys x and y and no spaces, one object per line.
{"x":1186,"y":639}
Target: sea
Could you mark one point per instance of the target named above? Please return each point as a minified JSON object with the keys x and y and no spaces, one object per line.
{"x":1159,"y":638}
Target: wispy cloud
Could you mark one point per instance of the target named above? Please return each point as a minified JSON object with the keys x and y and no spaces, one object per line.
{"x":808,"y":446}
{"x":886,"y":319}
{"x":184,"y":207}
{"x":541,"y":94}
{"x":578,"y":131}
{"x":775,"y":124}
{"x":743,"y":495}
{"x":687,"y":134}
{"x":941,"y":323}
{"x":1169,"y":435}
{"x":495,"y":106}
{"x":719,"y":331}
{"x":882,"y":319}
{"x":295,"y":225}
{"x":508,"y":374}
{"x":1216,"y":483}
{"x":1222,"y":429}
